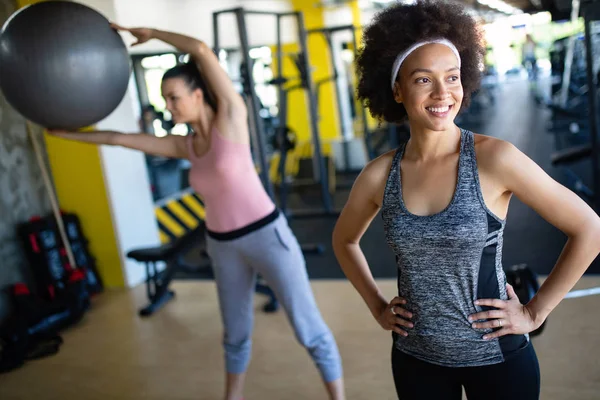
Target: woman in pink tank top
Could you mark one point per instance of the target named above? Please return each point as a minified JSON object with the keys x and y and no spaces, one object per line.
{"x":246,"y":234}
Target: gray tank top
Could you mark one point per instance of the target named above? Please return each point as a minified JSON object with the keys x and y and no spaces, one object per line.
{"x":445,"y":262}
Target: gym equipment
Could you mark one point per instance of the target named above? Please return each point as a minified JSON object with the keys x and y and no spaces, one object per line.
{"x":278,"y":127}
{"x":591,"y":12}
{"x":60,"y":295}
{"x":564,"y":158}
{"x":579,"y":115}
{"x":525,"y":283}
{"x":52,"y":196}
{"x":173,"y":255}
{"x":256,"y":126}
{"x":346,"y":131}
{"x":258,"y":132}
{"x":31,"y":332}
{"x":319,"y":169}
{"x":45,"y":251}
{"x":575,"y":6}
{"x":284,"y":140}
{"x":569,"y":118}
{"x":61,"y":64}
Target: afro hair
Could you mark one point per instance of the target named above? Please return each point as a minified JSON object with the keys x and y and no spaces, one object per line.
{"x":399,"y":26}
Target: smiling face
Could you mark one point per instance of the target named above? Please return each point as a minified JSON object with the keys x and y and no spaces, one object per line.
{"x":430,"y":88}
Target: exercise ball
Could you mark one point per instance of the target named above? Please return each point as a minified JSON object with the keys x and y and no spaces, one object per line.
{"x":61,"y":64}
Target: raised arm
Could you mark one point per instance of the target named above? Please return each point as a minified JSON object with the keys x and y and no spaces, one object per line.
{"x":354,"y":220}
{"x":207,"y":62}
{"x":171,"y":146}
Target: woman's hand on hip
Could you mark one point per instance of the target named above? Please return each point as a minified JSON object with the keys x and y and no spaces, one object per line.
{"x":510,"y":315}
{"x":393,"y":317}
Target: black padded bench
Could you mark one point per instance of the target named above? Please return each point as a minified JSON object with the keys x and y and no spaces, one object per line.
{"x":173,"y":255}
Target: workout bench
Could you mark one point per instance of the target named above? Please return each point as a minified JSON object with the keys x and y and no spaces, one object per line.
{"x":173,"y":255}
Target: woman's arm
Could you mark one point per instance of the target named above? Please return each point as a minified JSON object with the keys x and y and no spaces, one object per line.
{"x":561,"y":208}
{"x":216,"y":78}
{"x":355,"y":218}
{"x":363,"y":205}
{"x":172,"y":146}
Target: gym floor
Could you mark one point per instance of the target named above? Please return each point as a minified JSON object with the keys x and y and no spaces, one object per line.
{"x":176,"y":354}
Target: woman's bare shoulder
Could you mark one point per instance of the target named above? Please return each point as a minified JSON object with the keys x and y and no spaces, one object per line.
{"x":372,"y":179}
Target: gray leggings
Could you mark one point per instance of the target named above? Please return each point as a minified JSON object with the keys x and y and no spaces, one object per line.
{"x":274,"y":253}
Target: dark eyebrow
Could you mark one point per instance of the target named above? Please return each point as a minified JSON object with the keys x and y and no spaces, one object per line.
{"x":430,"y":71}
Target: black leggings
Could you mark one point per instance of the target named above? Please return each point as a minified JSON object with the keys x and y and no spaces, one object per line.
{"x":517,"y":378}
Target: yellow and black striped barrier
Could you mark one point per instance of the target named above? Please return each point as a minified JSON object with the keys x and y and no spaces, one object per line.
{"x":179,"y":215}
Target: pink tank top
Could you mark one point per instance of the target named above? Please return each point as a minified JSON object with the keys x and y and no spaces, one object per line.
{"x":227,"y":181}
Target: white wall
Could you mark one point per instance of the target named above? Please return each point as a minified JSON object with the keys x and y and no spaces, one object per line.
{"x":104,"y":7}
{"x":341,"y":15}
{"x":195,"y":18}
{"x":128,"y":188}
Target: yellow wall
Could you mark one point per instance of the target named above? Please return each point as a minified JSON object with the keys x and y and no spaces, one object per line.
{"x":297,"y":115}
{"x":321,"y":68}
{"x":79,"y":181}
{"x":356,"y":19}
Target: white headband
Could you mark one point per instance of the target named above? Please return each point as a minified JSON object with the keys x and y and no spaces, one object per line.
{"x":402,"y":56}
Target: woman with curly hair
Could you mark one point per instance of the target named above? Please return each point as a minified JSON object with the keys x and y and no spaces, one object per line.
{"x":444,"y":197}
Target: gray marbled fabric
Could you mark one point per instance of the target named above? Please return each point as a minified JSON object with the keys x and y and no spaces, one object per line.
{"x":445,"y":262}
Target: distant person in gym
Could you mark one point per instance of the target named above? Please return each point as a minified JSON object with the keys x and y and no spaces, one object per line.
{"x":444,"y":197}
{"x":246,"y":232}
{"x":529,"y":58}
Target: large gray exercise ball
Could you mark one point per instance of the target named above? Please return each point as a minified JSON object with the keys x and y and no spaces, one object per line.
{"x":61,"y":64}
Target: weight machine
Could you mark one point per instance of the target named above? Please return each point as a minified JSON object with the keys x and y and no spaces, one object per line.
{"x":591,"y":14}
{"x":327,"y":34}
{"x":258,"y":129}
